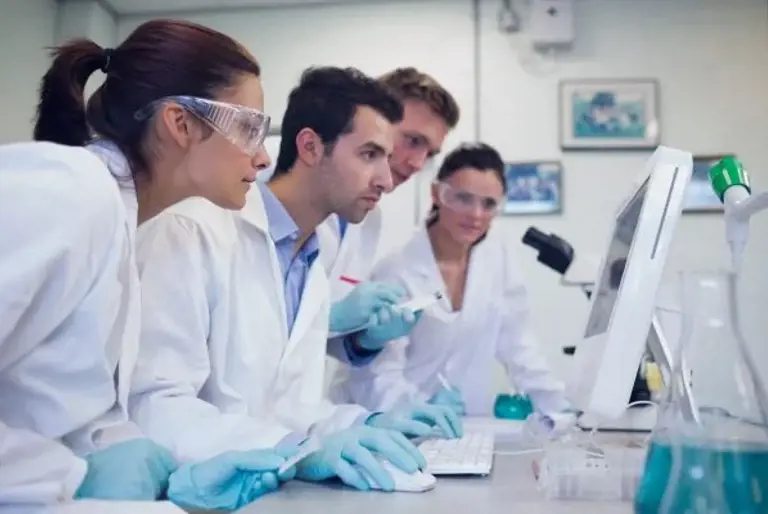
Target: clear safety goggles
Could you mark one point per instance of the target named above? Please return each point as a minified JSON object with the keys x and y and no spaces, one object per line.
{"x":463,"y":201}
{"x":242,"y":126}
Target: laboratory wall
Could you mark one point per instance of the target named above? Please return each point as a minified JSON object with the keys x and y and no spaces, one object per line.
{"x":710,"y":58}
{"x":26,"y":28}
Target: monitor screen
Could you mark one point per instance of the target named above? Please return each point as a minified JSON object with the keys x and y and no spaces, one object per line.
{"x":607,"y":289}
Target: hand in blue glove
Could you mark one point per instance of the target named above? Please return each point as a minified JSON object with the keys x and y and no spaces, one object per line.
{"x":420,"y":421}
{"x":364,"y":305}
{"x":230,"y":480}
{"x":344,"y":453}
{"x":450,"y":398}
{"x":134,"y":470}
{"x":390,"y":323}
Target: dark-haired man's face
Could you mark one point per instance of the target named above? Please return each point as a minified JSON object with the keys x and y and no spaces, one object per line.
{"x":357,"y":172}
{"x":419,"y":138}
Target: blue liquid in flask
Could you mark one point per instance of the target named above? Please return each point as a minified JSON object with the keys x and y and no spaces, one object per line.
{"x":710,"y":479}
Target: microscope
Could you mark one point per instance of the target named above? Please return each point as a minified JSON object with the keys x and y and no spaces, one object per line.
{"x":558,"y":255}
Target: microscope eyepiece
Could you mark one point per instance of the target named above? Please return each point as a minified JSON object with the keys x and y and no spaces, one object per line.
{"x":554,"y":252}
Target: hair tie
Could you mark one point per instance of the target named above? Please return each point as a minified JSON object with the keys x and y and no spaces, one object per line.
{"x":107,"y":59}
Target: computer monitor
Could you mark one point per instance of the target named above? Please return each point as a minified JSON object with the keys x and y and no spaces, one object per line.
{"x":624,"y":298}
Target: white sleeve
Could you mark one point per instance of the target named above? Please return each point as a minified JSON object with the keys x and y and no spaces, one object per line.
{"x":518,"y":349}
{"x":36,"y":470}
{"x":178,"y":279}
{"x":60,"y":218}
{"x":382,"y":385}
{"x":338,"y":350}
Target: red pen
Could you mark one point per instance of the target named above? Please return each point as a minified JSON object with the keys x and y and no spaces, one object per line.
{"x":349,"y":280}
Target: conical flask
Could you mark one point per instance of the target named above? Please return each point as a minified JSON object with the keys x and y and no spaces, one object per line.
{"x":709,"y":451}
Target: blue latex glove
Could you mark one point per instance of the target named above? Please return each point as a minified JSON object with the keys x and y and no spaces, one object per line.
{"x":135,"y":470}
{"x":450,"y":398}
{"x":364,"y":305}
{"x":342,"y":452}
{"x":420,"y":421}
{"x":389,"y":324}
{"x":230,"y":480}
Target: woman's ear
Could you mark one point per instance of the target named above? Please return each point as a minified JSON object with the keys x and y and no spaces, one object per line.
{"x":173,"y":123}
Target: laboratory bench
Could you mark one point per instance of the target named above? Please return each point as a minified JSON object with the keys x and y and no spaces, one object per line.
{"x":511,"y":488}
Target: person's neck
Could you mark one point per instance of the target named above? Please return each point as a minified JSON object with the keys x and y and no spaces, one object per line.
{"x":298,"y":197}
{"x":157,"y":193}
{"x":445,"y":248}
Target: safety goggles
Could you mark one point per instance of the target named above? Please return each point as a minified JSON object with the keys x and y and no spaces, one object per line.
{"x":463,"y":201}
{"x":244,"y":127}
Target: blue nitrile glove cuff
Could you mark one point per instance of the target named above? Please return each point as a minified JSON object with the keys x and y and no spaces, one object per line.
{"x":142,"y":465}
{"x":356,"y":354}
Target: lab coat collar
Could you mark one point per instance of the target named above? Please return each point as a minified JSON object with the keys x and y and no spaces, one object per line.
{"x":254,"y":211}
{"x":281,"y":224}
{"x":118,"y":165}
{"x":424,"y":261}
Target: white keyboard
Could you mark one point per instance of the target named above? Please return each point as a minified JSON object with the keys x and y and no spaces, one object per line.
{"x":470,"y":455}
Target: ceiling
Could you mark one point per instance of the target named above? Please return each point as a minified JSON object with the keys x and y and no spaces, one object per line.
{"x":157,"y":6}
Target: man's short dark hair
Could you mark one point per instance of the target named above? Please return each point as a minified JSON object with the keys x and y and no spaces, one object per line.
{"x":412,"y":84}
{"x":326,"y":101}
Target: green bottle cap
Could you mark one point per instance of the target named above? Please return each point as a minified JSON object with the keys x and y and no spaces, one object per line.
{"x":727,"y":173}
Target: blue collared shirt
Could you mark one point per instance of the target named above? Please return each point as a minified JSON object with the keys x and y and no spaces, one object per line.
{"x":293,"y":265}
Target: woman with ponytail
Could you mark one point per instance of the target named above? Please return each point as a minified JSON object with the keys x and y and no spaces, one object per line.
{"x":482,"y":317}
{"x":180,"y":114}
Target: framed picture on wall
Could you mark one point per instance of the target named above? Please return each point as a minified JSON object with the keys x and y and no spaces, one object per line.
{"x":700,"y":197}
{"x":609,"y":114}
{"x":534,"y":188}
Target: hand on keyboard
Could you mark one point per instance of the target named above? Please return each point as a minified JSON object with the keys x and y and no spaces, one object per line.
{"x":450,"y":398}
{"x":470,"y":455}
{"x":419,"y":420}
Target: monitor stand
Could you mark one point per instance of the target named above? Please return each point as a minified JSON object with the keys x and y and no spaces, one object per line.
{"x":643,"y":418}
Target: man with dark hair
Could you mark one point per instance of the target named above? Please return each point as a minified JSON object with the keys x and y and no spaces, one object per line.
{"x":245,"y":303}
{"x":348,"y":251}
{"x":336,"y":139}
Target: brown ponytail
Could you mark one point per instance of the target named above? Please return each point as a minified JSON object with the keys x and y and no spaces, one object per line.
{"x":61,"y":110}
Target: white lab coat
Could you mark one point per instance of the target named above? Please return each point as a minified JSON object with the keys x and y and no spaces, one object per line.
{"x":218,"y":370}
{"x":67,"y":282}
{"x":492,"y":325}
{"x":353,"y":256}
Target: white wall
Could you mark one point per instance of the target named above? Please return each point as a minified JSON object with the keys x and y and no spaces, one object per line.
{"x":709,"y":56}
{"x":26,"y":28}
{"x":88,"y":19}
{"x":711,"y":60}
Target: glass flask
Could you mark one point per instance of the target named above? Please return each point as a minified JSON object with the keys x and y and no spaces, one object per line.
{"x":709,"y":451}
